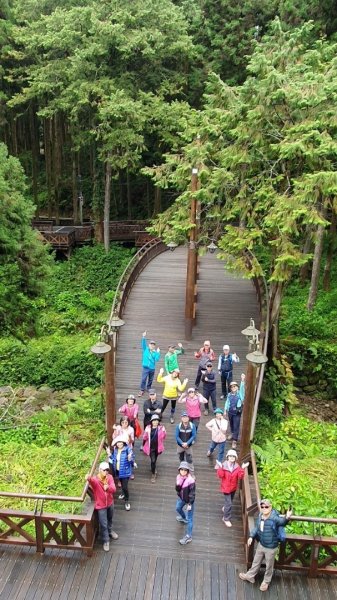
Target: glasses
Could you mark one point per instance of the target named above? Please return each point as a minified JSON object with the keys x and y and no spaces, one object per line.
{"x":264,"y":506}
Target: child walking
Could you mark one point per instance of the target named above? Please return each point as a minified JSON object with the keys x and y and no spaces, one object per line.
{"x":230,"y":473}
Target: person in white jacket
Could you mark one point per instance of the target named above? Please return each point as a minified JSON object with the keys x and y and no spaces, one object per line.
{"x":218,"y":427}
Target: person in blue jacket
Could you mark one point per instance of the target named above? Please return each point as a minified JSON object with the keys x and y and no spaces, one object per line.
{"x":122,"y":462}
{"x":185,"y":437}
{"x":266,"y":533}
{"x":234,"y":406}
{"x":150,"y":356}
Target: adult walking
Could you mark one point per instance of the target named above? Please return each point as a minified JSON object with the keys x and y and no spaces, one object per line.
{"x":122,"y":461}
{"x":205,"y":355}
{"x":150,"y":356}
{"x":218,"y":428}
{"x":103,"y":488}
{"x":185,"y":438}
{"x":234,"y":406}
{"x":230,"y":474}
{"x":267,"y":534}
{"x":209,"y":386}
{"x":225,"y":368}
{"x":185,"y":488}
{"x":172,"y":387}
{"x":153,"y":443}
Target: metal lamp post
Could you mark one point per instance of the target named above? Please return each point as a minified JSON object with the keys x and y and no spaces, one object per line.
{"x":107,"y":348}
{"x":255,"y":359}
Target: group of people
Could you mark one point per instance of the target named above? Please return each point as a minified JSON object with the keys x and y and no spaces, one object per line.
{"x":120,"y":450}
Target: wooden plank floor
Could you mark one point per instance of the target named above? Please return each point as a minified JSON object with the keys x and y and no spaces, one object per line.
{"x":147,"y":561}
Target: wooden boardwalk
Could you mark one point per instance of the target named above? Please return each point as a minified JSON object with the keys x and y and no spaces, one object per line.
{"x":147,"y":562}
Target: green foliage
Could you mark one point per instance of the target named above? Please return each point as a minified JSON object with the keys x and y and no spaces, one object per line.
{"x":75,"y":304}
{"x":51,"y":452}
{"x":23,"y":258}
{"x":297,"y":467}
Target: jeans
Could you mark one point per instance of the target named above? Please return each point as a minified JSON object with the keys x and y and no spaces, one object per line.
{"x":228,"y":501}
{"x":268,"y":554}
{"x":147,"y":376}
{"x":210,"y":396}
{"x":221,"y":451}
{"x":234,"y":421}
{"x":124,"y":484}
{"x":226,"y":378}
{"x":198,"y":377}
{"x":187,"y":515}
{"x":105,"y":522}
{"x":195,"y":421}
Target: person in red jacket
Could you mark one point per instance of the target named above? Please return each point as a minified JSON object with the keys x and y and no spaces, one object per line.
{"x":103,"y":488}
{"x":230,"y":473}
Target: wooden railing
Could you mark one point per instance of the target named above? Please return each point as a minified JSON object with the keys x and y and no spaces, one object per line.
{"x":313,"y":555}
{"x":50,"y":530}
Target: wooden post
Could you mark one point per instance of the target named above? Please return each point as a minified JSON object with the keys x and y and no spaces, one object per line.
{"x":247,"y":413}
{"x":192,"y":254}
{"x":110,"y":392}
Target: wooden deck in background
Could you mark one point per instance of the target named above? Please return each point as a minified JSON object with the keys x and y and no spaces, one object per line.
{"x":147,"y":562}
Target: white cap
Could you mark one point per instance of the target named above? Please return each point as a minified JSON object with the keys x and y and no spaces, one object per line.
{"x":225,"y":347}
{"x":104,"y":466}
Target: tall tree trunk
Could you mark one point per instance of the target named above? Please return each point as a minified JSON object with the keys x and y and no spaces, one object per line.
{"x":33,"y":125}
{"x":157,"y":201}
{"x":304,"y":270}
{"x":316,"y":267}
{"x":128,"y":191}
{"x":107,"y":197}
{"x":57,"y":167}
{"x":48,"y":163}
{"x":275,"y":297}
{"x":75,"y":193}
{"x":330,"y":252}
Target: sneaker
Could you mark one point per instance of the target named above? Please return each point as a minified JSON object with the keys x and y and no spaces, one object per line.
{"x":141,"y":449}
{"x":181,"y":520}
{"x":227,"y":523}
{"x":113,"y":535}
{"x":245,"y":577}
{"x":127,"y":505}
{"x":140,"y":393}
{"x":234,"y":444}
{"x":119,"y":485}
{"x":153,"y":478}
{"x":222,"y":397}
{"x":209,"y":453}
{"x":106,"y":546}
{"x":121,"y":496}
{"x":229,"y":437}
{"x":205,"y":413}
{"x":223,"y":509}
{"x":132,"y":476}
{"x":264,"y":586}
{"x":185,"y":540}
{"x":171,"y":420}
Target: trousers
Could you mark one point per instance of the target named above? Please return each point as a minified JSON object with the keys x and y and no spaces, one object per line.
{"x":267,"y":554}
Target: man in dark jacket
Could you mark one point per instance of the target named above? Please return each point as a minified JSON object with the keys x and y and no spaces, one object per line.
{"x":152,"y":406}
{"x":266,"y":532}
{"x":185,"y":437}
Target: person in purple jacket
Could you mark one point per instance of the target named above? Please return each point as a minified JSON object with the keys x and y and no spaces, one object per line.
{"x":150,"y":356}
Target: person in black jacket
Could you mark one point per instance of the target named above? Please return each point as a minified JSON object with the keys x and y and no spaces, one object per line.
{"x":266,"y":532}
{"x":151,"y":406}
{"x":209,"y":386}
{"x":185,"y":488}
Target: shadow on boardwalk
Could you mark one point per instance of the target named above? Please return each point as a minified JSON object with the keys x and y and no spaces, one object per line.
{"x":147,"y":562}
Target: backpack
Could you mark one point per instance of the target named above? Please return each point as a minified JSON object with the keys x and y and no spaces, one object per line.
{"x":279,"y":529}
{"x":226,"y":363}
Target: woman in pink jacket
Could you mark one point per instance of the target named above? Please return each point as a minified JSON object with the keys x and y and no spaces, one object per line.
{"x":153,"y":443}
{"x":193,"y":400}
{"x":103,"y":488}
{"x":230,"y":473}
{"x":130,"y":409}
